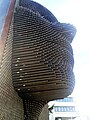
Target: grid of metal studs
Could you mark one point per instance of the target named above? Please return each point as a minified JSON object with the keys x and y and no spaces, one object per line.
{"x":42,"y":57}
{"x":45,"y":13}
{"x":32,"y":109}
{"x":38,"y":9}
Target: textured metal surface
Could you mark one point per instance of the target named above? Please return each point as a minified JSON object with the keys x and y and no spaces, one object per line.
{"x":11,"y":105}
{"x":32,"y":109}
{"x":42,"y":57}
{"x":39,"y":9}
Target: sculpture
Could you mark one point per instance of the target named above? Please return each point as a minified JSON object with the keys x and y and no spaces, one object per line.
{"x":42,"y":57}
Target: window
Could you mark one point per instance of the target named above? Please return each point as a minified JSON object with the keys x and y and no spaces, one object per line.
{"x":68,"y":99}
{"x":58,"y":118}
{"x":64,"y":109}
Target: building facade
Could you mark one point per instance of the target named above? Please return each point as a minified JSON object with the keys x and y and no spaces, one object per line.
{"x":36,"y":60}
{"x":64,"y":109}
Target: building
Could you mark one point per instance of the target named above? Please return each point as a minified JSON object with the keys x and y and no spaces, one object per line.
{"x":64,"y":109}
{"x":36,"y":59}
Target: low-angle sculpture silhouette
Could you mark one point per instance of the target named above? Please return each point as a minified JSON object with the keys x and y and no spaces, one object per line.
{"x":42,"y":56}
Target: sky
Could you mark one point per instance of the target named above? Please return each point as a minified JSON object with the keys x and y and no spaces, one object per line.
{"x":3,"y":11}
{"x":77,"y":13}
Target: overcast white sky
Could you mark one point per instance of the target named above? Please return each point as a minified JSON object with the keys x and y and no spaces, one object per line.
{"x":77,"y":13}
